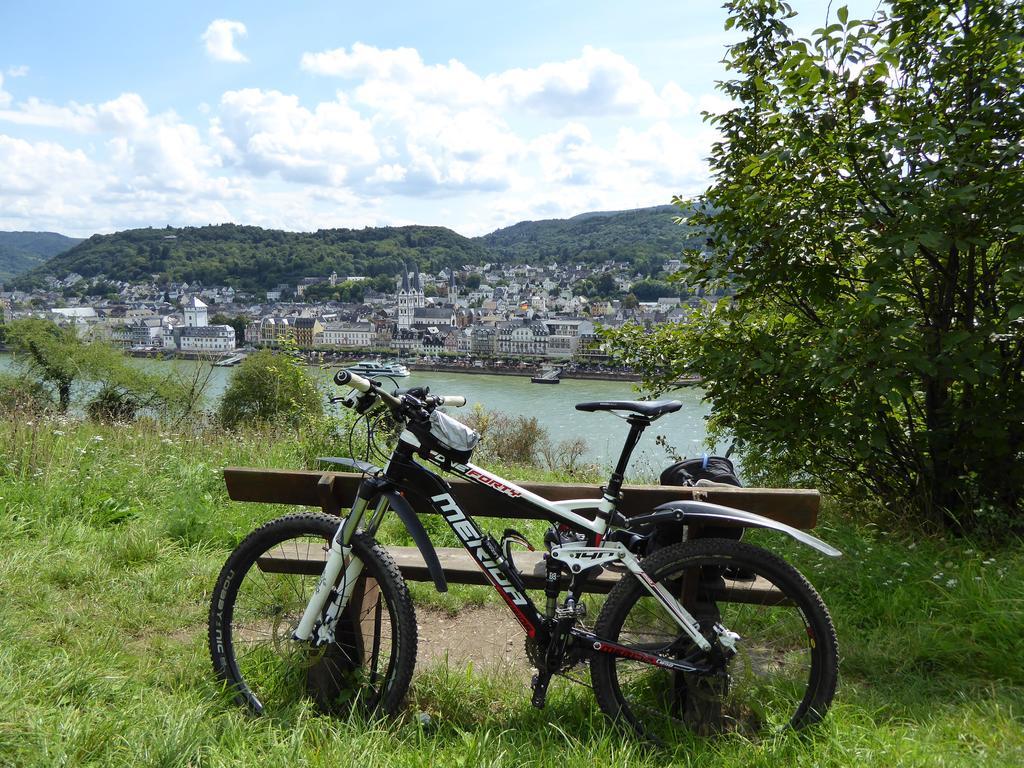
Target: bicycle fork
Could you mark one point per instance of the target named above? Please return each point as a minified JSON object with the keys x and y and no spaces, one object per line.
{"x":327,"y":602}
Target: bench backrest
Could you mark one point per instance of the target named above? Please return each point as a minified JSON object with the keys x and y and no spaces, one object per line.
{"x":794,"y":506}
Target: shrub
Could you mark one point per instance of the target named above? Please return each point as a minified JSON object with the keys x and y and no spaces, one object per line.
{"x":511,"y":439}
{"x":270,"y":387}
{"x":19,"y":395}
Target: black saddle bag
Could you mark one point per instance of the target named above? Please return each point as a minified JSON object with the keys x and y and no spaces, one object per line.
{"x":689,"y":472}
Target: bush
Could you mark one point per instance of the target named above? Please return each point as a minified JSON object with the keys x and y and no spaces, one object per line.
{"x":510,"y":439}
{"x":19,"y":395}
{"x":270,"y":387}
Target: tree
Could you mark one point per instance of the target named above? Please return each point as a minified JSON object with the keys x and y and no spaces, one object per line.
{"x":50,"y":353}
{"x":238,"y":322}
{"x":55,"y":358}
{"x":866,"y":209}
{"x":270,"y":387}
{"x":652,"y":290}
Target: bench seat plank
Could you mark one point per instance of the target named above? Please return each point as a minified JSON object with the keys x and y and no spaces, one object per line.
{"x":794,"y":506}
{"x":460,"y":568}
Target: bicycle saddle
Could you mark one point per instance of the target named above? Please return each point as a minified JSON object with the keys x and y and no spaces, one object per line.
{"x":649,"y":408}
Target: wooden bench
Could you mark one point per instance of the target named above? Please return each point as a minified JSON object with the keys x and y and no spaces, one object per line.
{"x":796,"y":507}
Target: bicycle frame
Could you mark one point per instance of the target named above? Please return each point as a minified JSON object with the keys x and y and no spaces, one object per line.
{"x":404,"y":474}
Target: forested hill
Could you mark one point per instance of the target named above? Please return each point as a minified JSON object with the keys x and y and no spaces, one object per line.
{"x":20,"y":251}
{"x":251,"y":258}
{"x":639,"y":236}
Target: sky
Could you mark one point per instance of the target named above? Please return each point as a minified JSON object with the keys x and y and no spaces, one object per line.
{"x":310,"y":115}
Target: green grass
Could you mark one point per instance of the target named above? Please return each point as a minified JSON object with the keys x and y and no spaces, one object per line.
{"x":113,"y":539}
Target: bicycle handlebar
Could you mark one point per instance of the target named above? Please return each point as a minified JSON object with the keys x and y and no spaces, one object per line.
{"x":455,"y":401}
{"x":347,"y":378}
{"x":343,"y":377}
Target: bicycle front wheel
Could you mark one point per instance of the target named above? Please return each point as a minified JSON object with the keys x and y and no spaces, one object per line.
{"x":260,"y":597}
{"x":783,"y":673}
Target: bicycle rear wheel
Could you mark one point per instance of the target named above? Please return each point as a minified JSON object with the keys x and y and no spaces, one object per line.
{"x":260,"y":597}
{"x":783,"y":674}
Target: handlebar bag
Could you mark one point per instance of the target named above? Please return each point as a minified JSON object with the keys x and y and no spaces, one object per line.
{"x":450,"y":437}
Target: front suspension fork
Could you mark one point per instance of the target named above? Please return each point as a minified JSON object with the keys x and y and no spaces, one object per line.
{"x":315,"y":620}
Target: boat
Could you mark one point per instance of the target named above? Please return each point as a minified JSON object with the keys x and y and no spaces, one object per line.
{"x":378,"y":368}
{"x":548,"y":377}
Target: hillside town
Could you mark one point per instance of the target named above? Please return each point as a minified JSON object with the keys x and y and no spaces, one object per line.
{"x":485,"y":312}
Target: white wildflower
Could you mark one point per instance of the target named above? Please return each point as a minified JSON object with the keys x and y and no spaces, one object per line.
{"x":950,"y":583}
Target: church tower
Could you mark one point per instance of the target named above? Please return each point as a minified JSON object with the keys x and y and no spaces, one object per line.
{"x":405,"y":307}
{"x":453,"y":290}
{"x":410,"y":296}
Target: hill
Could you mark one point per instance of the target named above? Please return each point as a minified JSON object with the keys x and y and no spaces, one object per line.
{"x":251,"y":258}
{"x":643,"y":236}
{"x":21,"y":251}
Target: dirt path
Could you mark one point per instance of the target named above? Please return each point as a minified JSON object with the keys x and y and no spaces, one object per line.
{"x":487,"y":637}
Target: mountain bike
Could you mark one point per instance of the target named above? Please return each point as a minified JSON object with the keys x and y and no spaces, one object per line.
{"x":706,"y":634}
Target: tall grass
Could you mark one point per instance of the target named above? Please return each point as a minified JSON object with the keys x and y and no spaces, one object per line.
{"x":113,"y":538}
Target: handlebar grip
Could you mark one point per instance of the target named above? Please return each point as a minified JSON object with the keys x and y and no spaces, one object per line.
{"x":456,"y":401}
{"x":343,"y":377}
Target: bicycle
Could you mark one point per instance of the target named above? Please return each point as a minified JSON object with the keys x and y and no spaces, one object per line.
{"x":706,"y":634}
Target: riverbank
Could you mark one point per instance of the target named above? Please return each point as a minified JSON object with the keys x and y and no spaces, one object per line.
{"x":113,"y":538}
{"x":568,"y":371}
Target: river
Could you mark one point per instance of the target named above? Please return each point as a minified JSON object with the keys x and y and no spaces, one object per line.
{"x":603,"y":433}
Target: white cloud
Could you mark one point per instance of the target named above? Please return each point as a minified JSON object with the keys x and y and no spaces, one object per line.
{"x":220,"y":40}
{"x":32,"y":168}
{"x":18,"y":71}
{"x":599,"y":82}
{"x":714,"y":103}
{"x":587,"y":133}
{"x":33,"y":112}
{"x":268,"y":131}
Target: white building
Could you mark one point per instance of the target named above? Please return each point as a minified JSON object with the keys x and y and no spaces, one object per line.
{"x":195,"y":313}
{"x":353,"y":335}
{"x":206,"y":338}
{"x":564,"y":338}
{"x":522,"y":337}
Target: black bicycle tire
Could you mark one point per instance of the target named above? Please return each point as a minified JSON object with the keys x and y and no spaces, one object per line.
{"x":823,"y":682}
{"x":377,"y":563}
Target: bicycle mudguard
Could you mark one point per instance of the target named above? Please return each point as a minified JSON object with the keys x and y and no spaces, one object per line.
{"x":356,"y":464}
{"x":687,"y":511}
{"x":373,"y":486}
{"x":419,"y":535}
